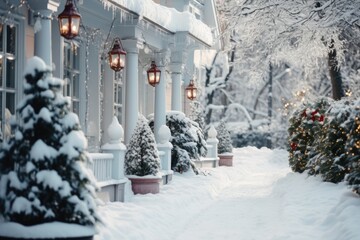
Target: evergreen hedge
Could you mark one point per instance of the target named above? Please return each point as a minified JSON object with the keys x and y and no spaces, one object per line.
{"x":324,"y":139}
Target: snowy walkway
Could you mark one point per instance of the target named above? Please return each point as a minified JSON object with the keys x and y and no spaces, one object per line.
{"x":258,"y":198}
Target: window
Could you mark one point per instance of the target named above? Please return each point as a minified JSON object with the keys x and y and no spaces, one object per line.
{"x":72,"y":75}
{"x":118,"y":94}
{"x":8,"y":70}
{"x":195,"y":11}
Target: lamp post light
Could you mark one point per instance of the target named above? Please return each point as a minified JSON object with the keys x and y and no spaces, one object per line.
{"x":191,"y":90}
{"x":153,"y":74}
{"x":69,"y":20}
{"x":117,"y":56}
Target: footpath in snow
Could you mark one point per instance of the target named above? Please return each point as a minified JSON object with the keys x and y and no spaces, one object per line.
{"x":258,"y":198}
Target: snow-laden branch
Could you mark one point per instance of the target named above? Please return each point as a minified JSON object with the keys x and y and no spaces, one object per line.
{"x":237,"y":106}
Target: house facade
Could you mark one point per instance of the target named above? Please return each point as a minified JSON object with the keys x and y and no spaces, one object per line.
{"x":168,"y":32}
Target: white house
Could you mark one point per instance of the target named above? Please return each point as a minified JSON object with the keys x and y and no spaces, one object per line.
{"x":165,"y":31}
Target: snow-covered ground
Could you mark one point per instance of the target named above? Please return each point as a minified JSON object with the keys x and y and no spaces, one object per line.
{"x":258,"y":198}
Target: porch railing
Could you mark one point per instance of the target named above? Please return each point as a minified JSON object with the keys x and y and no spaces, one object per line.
{"x":102,"y":165}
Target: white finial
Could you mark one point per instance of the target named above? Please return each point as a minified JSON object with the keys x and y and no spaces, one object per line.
{"x":212,"y":133}
{"x":164,"y":134}
{"x":115,"y":131}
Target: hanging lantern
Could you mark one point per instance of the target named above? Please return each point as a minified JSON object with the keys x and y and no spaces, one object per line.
{"x":191,"y":90}
{"x":117,"y":56}
{"x":153,"y":74}
{"x":69,"y":20}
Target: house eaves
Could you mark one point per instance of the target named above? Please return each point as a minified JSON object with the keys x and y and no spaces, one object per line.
{"x":168,"y":19}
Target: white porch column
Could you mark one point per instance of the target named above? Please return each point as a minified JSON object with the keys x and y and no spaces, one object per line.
{"x":131,"y":86}
{"x":176,"y":87}
{"x":43,"y":38}
{"x":160,"y":103}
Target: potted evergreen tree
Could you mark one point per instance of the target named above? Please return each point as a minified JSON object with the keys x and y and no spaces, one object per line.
{"x":225,"y":147}
{"x":44,"y":182}
{"x":142,"y":162}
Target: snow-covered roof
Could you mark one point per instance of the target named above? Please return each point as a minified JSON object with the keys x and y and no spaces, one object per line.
{"x":168,"y":18}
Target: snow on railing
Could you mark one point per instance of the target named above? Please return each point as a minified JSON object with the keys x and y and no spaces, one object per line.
{"x":102,"y":164}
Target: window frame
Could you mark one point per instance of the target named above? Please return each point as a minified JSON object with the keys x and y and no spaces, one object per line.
{"x":18,"y":58}
{"x":70,"y":72}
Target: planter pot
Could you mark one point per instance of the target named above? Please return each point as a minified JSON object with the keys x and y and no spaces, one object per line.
{"x":144,"y":185}
{"x":226,"y":159}
{"x":70,"y":238}
{"x":46,"y":231}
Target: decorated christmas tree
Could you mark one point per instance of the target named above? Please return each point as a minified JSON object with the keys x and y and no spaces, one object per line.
{"x":142,"y":157}
{"x":304,"y":125}
{"x":332,"y":158}
{"x":43,"y":165}
{"x":352,"y":147}
{"x":224,"y":138}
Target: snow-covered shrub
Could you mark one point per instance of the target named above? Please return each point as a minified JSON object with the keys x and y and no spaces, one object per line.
{"x":331,"y":159}
{"x":43,"y":174}
{"x":352,"y":147}
{"x":187,"y":139}
{"x":223,"y":135}
{"x":255,"y":138}
{"x":304,"y":125}
{"x":142,"y":157}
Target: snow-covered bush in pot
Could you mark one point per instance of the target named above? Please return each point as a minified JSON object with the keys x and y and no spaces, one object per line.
{"x":224,"y":138}
{"x":43,"y":170}
{"x":187,"y":140}
{"x":142,"y":157}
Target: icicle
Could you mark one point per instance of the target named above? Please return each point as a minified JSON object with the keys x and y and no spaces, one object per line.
{"x":37,"y":25}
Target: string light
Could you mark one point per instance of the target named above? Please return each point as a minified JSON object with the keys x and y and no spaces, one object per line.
{"x":89,"y":35}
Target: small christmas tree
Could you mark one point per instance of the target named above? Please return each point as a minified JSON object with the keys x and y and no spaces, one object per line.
{"x":43,"y":166}
{"x":224,"y":138}
{"x":142,"y":157}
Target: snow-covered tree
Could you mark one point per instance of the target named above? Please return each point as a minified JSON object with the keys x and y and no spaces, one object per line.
{"x":224,"y":138}
{"x":43,"y":170}
{"x":142,"y":157}
{"x":197,"y":113}
{"x":300,"y":33}
{"x":187,"y":139}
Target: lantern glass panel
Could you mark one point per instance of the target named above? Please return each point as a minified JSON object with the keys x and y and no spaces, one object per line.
{"x":122,"y":60}
{"x":75,"y":23}
{"x":151,"y":77}
{"x":64,"y":26}
{"x":115,"y":60}
{"x":158,"y":77}
{"x":189,"y":94}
